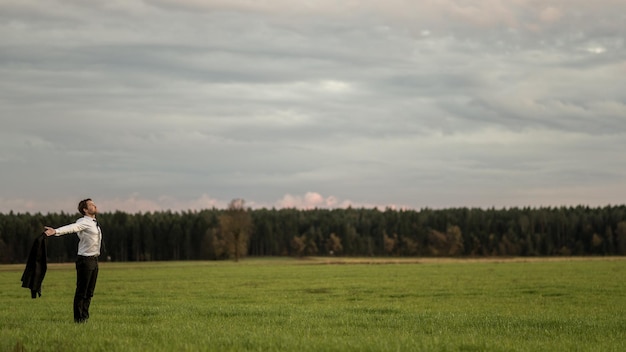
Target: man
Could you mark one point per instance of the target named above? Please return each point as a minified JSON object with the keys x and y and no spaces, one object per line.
{"x":90,"y":239}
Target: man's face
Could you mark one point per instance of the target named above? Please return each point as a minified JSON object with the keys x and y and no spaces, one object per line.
{"x":91,"y":208}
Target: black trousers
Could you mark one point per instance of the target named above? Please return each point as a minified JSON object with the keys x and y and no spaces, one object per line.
{"x":86,"y":276}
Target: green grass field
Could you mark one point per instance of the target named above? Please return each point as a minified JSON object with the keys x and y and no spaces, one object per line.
{"x":314,"y":305}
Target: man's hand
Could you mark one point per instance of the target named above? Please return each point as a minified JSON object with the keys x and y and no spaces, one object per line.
{"x":49,"y":231}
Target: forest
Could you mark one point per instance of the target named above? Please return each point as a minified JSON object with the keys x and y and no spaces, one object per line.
{"x":237,"y":232}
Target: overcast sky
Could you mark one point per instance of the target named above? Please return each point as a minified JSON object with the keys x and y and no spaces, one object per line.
{"x":187,"y":104}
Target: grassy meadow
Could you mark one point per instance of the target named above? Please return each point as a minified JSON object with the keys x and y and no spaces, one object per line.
{"x":280,"y":304}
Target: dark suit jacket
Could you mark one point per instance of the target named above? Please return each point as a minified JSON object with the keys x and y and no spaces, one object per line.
{"x":36,"y":266}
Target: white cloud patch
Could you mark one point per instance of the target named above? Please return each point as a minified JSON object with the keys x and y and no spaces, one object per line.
{"x":310,"y":200}
{"x":332,"y":86}
{"x":596,"y":49}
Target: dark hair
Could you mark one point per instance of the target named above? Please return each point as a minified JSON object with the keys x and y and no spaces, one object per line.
{"x":82,"y":205}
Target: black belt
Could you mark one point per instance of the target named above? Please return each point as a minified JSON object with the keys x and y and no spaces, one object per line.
{"x":89,"y":256}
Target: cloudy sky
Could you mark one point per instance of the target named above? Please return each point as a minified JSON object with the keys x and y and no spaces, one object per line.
{"x":187,"y":104}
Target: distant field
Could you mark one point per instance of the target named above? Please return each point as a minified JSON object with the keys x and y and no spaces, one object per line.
{"x":326,"y":304}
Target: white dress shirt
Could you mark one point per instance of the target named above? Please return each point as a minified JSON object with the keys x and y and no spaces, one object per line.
{"x":89,"y":235}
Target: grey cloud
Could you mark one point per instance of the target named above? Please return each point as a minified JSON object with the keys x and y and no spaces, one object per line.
{"x":388,"y":103}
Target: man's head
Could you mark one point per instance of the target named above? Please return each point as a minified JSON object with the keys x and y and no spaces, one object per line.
{"x":87,"y":207}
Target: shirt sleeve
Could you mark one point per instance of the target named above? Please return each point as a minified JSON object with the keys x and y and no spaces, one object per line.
{"x":71,"y":228}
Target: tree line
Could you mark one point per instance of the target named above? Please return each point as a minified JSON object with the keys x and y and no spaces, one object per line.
{"x":237,"y":231}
